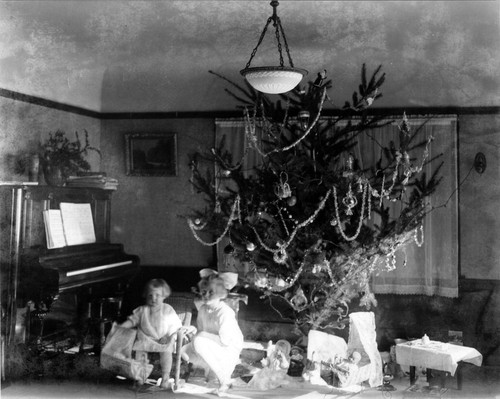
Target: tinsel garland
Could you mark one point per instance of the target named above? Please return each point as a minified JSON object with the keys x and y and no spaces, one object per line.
{"x":235,"y":214}
{"x":252,"y":136}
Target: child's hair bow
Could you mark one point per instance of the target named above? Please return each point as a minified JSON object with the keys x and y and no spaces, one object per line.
{"x":230,"y":279}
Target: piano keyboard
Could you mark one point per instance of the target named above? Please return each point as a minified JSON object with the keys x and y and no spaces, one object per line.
{"x":97,"y":268}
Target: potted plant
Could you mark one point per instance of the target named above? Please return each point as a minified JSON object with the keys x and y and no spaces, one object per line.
{"x":61,"y":158}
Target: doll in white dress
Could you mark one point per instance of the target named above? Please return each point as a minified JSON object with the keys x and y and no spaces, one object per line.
{"x":217,"y":345}
{"x":157,"y":324}
{"x":276,"y":364}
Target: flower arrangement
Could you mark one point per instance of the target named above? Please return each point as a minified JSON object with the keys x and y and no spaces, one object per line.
{"x":64,"y":157}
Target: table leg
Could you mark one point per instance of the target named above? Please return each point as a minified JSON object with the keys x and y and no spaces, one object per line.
{"x":443,"y":379}
{"x":412,"y":375}
{"x":459,"y":376}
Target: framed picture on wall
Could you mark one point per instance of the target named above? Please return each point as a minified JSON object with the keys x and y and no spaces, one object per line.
{"x":151,"y":154}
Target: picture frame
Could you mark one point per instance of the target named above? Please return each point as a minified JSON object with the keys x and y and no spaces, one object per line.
{"x":151,"y":154}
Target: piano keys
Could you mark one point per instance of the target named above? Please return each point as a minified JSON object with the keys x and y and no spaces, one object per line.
{"x":87,"y":264}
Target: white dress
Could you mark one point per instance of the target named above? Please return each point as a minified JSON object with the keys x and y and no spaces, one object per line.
{"x":153,"y":326}
{"x":219,"y":341}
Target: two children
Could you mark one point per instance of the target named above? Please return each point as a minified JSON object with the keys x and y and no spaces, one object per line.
{"x":218,"y":342}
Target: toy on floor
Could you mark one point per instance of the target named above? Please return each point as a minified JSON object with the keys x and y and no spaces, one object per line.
{"x":297,"y":362}
{"x":217,"y":345}
{"x":276,"y":364}
{"x":312,"y":372}
{"x":346,"y":370}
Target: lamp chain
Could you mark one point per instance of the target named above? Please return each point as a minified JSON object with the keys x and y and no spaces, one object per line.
{"x":276,"y":25}
{"x":259,"y":42}
{"x":279,"y":28}
{"x":285,"y":42}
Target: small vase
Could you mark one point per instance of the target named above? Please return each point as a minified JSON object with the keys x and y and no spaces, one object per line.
{"x":54,"y":175}
{"x":34,"y":168}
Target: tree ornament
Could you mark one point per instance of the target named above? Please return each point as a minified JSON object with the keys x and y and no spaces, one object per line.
{"x":197,"y":221}
{"x":280,"y":282}
{"x":299,"y":300}
{"x":291,"y":202}
{"x":418,"y":241}
{"x":349,"y":169}
{"x":349,"y":201}
{"x":280,"y":256}
{"x":282,"y":189}
{"x":303,"y":118}
{"x":228,"y":249}
{"x":251,"y":246}
{"x":404,"y":127}
{"x":320,"y":78}
{"x":260,"y":279}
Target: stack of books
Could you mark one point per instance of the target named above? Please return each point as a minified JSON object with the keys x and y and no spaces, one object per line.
{"x":95,"y":180}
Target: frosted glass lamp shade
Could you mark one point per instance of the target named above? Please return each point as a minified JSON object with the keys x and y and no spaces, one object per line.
{"x":273,"y":80}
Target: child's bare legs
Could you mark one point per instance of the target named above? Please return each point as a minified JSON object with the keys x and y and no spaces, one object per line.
{"x":166,"y":367}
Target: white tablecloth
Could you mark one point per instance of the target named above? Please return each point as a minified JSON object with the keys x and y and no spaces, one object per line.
{"x":436,"y":355}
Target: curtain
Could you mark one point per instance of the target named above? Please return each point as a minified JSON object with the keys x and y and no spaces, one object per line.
{"x":236,"y":143}
{"x":431,"y":269}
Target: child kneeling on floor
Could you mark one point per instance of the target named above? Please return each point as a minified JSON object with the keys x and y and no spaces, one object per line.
{"x":217,"y":345}
{"x":157,"y":324}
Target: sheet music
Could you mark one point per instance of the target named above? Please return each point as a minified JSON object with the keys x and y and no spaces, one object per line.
{"x":78,"y":223}
{"x":54,"y":230}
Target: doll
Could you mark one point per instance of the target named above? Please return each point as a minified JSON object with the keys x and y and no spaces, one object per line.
{"x":217,"y":345}
{"x":157,"y":324}
{"x":276,"y":364}
{"x":346,"y":370}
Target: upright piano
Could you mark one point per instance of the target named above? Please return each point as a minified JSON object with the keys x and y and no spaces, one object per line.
{"x":34,"y":279}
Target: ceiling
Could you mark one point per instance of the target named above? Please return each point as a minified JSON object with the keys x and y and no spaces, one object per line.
{"x":154,"y":56}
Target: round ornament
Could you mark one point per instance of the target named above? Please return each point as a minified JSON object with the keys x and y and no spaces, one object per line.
{"x":292,"y":200}
{"x":251,"y":246}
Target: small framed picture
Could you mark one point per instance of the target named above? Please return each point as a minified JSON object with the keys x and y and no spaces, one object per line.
{"x":151,"y":154}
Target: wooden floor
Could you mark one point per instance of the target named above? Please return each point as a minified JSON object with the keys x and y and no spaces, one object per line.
{"x":479,"y":383}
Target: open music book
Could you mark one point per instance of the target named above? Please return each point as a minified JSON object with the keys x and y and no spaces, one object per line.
{"x":72,"y":224}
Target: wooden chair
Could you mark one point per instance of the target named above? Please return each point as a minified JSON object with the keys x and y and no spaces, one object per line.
{"x":183,"y":304}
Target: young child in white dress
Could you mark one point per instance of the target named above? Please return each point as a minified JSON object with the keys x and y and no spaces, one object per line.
{"x":219,"y":340}
{"x":157,"y":324}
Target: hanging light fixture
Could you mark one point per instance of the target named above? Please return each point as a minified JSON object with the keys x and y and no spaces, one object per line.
{"x":273,"y":79}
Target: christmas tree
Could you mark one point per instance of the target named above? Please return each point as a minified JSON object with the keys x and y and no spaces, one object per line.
{"x":309,"y":221}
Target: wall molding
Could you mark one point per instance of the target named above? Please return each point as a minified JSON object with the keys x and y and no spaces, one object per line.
{"x":486,"y":110}
{"x":26,"y":98}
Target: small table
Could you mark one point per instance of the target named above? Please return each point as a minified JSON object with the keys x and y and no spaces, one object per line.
{"x":436,"y":356}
